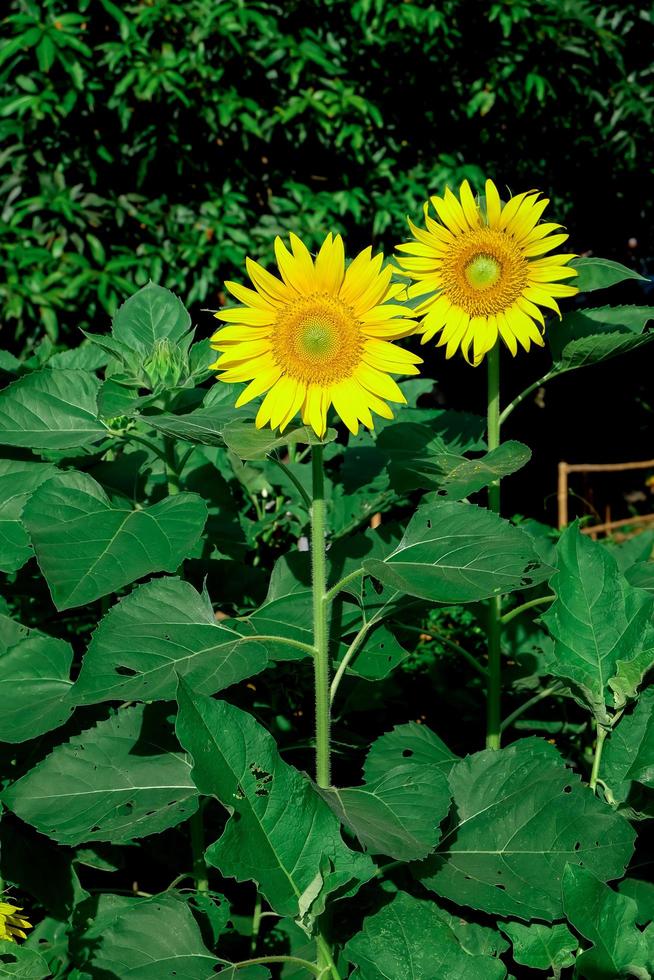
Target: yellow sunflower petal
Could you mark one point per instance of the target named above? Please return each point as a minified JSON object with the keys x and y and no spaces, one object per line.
{"x":493,"y":204}
{"x":330,"y":265}
{"x":262,"y":382}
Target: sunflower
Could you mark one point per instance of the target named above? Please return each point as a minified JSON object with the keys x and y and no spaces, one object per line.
{"x":12,"y":924}
{"x":486,"y":268}
{"x":318,"y":336}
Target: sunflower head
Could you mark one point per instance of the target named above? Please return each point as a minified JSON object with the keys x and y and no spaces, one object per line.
{"x":483,"y":270}
{"x":12,"y":923}
{"x":316,"y":335}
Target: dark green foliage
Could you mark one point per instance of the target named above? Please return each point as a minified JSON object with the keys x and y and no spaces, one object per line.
{"x":168,"y":140}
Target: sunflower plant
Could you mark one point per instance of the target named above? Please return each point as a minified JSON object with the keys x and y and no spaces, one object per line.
{"x":259,"y":597}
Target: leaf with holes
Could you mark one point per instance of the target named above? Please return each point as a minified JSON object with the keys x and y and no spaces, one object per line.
{"x":125,"y":778}
{"x":521,"y":815}
{"x":608,"y":920}
{"x":18,"y":480}
{"x":163,"y":629}
{"x":456,"y":552}
{"x":597,"y":619}
{"x":408,"y":938}
{"x":281,"y":833}
{"x":147,"y":939}
{"x":21,"y":963}
{"x":407,"y":745}
{"x":87,"y":548}
{"x":35,"y":687}
{"x":51,"y":410}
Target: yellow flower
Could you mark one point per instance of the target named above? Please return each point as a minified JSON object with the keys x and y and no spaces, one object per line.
{"x":318,"y":336}
{"x":486,"y":268}
{"x":12,"y":924}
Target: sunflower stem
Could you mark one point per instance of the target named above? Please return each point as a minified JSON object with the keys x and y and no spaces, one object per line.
{"x":494,"y":633}
{"x":321,"y":609}
{"x":320,"y":620}
{"x":597,"y":758}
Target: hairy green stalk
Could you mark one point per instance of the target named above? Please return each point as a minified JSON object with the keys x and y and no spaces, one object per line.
{"x":493,"y":701}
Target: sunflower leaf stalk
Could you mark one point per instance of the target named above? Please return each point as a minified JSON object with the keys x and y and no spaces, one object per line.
{"x":494,"y":632}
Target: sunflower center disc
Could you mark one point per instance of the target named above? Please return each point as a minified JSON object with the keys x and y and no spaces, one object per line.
{"x":483,"y":271}
{"x":317,"y":339}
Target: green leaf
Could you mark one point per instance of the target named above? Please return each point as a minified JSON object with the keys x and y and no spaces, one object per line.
{"x":151,"y":314}
{"x":35,"y":687}
{"x":597,"y":619}
{"x":149,"y":939}
{"x":641,"y":575}
{"x":542,"y":947}
{"x":280,"y":834}
{"x":456,"y":552}
{"x":248,"y":442}
{"x":642,"y":892}
{"x":86,"y":548}
{"x":51,"y":410}
{"x":205,"y":425}
{"x":124,"y":778}
{"x":628,"y":753}
{"x":21,"y":963}
{"x":407,"y":938}
{"x":520,"y":815}
{"x":407,"y":745}
{"x":18,"y":479}
{"x":585,"y":337}
{"x":163,"y":629}
{"x":601,"y":273}
{"x":419,"y":459}
{"x":398,"y":814}
{"x":608,"y":920}
{"x":633,"y":551}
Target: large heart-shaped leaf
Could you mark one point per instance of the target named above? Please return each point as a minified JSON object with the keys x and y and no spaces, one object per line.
{"x":35,"y":687}
{"x":281,"y":833}
{"x":51,"y":410}
{"x":18,"y":479}
{"x":148,"y":939}
{"x":122,"y":779}
{"x":608,"y":920}
{"x":597,"y":620}
{"x":87,"y":548}
{"x":521,"y":815}
{"x":456,"y":552}
{"x":163,"y":629}
{"x":408,"y":938}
